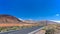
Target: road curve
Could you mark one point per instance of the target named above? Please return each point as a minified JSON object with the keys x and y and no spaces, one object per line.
{"x":23,"y":31}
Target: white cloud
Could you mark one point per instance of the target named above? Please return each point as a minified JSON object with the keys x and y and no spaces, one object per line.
{"x":57,"y":15}
{"x":55,"y":21}
{"x":20,"y":19}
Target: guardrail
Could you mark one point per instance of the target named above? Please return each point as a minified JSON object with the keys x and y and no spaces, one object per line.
{"x":33,"y":32}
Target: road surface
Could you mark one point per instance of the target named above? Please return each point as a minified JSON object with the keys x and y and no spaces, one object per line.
{"x":23,"y":31}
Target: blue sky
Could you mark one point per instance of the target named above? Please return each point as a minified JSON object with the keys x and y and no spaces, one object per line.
{"x":31,"y":9}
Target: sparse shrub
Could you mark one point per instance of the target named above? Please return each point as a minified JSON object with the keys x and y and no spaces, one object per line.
{"x":3,"y":29}
{"x":50,"y":31}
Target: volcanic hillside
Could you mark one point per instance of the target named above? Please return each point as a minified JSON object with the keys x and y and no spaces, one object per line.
{"x":9,"y":19}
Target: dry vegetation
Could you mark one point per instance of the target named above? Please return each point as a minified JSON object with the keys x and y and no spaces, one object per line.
{"x":8,"y":26}
{"x":52,"y":29}
{"x":18,"y":24}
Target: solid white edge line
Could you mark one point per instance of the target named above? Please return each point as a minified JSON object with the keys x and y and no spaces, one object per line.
{"x":35,"y":31}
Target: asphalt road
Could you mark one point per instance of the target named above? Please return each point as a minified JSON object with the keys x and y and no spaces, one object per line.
{"x":23,"y":31}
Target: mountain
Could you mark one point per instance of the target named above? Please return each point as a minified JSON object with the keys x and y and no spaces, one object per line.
{"x":4,"y":18}
{"x":41,"y":22}
{"x":9,"y":19}
{"x":48,"y":22}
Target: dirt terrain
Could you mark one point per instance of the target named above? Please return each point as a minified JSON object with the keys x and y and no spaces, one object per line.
{"x":40,"y":32}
